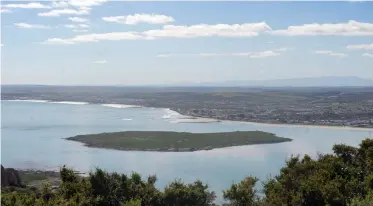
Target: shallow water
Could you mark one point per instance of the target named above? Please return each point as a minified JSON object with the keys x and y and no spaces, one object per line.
{"x":32,"y":137}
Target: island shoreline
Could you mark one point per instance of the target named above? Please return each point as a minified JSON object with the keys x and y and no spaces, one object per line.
{"x":169,"y":141}
{"x":170,"y":151}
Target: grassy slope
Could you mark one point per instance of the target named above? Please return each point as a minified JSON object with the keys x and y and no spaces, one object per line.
{"x":175,"y":141}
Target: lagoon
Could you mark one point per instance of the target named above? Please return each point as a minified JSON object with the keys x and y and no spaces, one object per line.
{"x":33,"y":132}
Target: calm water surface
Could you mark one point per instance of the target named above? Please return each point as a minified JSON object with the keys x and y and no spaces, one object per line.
{"x":32,"y":132}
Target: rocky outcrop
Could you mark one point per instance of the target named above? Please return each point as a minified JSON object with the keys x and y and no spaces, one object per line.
{"x":4,"y":180}
{"x":10,"y":177}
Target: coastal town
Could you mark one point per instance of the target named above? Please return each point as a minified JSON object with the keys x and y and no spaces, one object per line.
{"x":337,"y":109}
{"x":282,"y":117}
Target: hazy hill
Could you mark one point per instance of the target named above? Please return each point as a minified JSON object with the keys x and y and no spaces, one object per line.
{"x":329,"y":81}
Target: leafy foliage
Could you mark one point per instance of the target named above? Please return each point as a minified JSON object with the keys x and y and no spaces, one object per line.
{"x":177,"y":193}
{"x":243,"y":193}
{"x":329,"y":180}
{"x":339,"y":179}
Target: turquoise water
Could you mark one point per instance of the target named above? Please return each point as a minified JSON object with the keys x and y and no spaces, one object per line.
{"x":32,"y":137}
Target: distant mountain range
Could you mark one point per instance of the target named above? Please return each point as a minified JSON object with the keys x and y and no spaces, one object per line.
{"x":328,"y":81}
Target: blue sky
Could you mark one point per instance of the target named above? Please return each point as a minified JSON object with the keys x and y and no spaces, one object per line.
{"x":100,"y":42}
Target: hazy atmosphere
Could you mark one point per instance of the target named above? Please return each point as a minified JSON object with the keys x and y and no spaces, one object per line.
{"x":134,"y":43}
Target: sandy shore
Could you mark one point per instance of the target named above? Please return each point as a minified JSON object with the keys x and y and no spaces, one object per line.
{"x":308,"y":126}
{"x":283,"y":125}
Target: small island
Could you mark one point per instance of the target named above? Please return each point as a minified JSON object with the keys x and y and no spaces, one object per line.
{"x":163,"y":141}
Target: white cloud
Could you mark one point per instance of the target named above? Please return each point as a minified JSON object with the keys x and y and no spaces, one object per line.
{"x":100,"y":62}
{"x":322,"y":52}
{"x":80,"y":30}
{"x":204,"y":30}
{"x":261,"y":54}
{"x":165,"y":55}
{"x":199,"y":54}
{"x":60,"y":4}
{"x":106,"y":36}
{"x":361,"y":46}
{"x":2,"y":11}
{"x":31,"y":26}
{"x":350,"y":28}
{"x":368,"y":55}
{"x":140,"y":18}
{"x":72,"y":7}
{"x":1,"y":45}
{"x":95,"y":38}
{"x":338,"y":54}
{"x":57,"y":41}
{"x":247,"y":54}
{"x":330,"y":53}
{"x":78,"y":19}
{"x":241,"y":54}
{"x":59,"y":12}
{"x":27,"y":6}
{"x":171,"y":31}
{"x":86,"y":3}
{"x":76,"y":3}
{"x":73,"y":26}
{"x":211,"y":54}
{"x":84,"y":25}
{"x":264,"y":54}
{"x":284,"y":49}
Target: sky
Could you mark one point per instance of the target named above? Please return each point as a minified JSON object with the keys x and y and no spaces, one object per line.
{"x":99,"y":42}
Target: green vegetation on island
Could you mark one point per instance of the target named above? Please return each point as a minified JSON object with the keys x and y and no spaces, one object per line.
{"x":175,"y":141}
{"x":344,"y":178}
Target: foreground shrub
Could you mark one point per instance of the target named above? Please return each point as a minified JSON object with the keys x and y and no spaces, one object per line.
{"x":329,"y":180}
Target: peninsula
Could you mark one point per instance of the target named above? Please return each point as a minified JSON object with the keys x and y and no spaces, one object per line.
{"x":175,"y":141}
